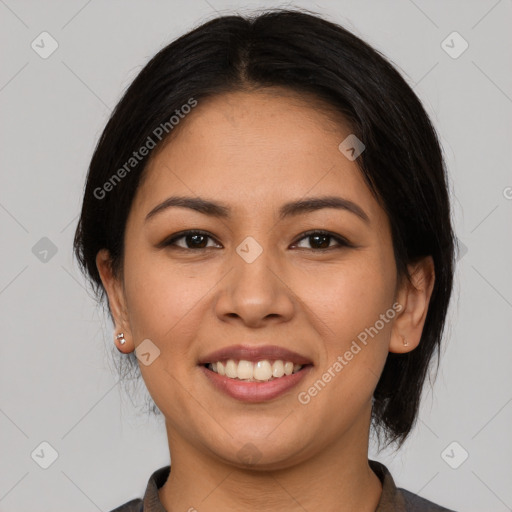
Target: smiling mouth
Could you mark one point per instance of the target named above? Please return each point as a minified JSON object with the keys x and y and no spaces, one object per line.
{"x":264,"y":370}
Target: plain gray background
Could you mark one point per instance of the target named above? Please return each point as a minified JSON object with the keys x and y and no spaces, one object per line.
{"x":58,"y":384}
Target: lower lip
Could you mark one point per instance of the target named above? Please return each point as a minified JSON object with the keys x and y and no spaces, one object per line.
{"x":255,"y":391}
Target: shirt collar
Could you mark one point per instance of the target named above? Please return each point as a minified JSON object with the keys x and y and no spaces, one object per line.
{"x":391,"y":499}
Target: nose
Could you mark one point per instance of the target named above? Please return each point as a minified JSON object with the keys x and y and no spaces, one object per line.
{"x":256,"y":293}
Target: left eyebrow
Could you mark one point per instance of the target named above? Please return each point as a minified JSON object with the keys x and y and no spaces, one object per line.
{"x":287,"y":210}
{"x":317,"y":203}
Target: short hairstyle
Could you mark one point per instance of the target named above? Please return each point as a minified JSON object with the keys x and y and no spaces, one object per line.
{"x":402,"y":163}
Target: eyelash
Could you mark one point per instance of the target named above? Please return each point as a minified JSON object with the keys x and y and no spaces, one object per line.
{"x":170,"y":242}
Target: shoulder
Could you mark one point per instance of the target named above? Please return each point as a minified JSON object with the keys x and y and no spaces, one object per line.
{"x":130,"y":506}
{"x":415,"y":503}
{"x":150,"y":501}
{"x":397,"y":499}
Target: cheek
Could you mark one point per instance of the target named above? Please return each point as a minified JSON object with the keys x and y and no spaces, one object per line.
{"x":351,"y":296}
{"x":161,"y":298}
{"x":347,"y":309}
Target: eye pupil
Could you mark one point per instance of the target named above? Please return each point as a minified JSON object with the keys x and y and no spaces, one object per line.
{"x":325,"y":240}
{"x":197,"y":238}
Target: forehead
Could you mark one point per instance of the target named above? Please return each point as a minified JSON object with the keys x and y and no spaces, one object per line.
{"x":252,"y":149}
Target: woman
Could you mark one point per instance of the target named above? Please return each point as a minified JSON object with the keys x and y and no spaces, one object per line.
{"x":267,"y":213}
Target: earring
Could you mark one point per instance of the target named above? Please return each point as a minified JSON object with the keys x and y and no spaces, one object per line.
{"x":405,"y":342}
{"x":121,"y":339}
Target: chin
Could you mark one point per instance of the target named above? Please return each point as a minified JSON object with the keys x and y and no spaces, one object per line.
{"x":263,"y":454}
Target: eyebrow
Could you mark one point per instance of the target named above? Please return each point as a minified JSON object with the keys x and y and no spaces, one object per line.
{"x":289,"y":209}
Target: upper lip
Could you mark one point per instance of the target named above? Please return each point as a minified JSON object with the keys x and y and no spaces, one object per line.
{"x":254,"y":353}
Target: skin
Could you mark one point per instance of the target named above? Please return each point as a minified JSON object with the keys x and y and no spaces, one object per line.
{"x":255,"y":151}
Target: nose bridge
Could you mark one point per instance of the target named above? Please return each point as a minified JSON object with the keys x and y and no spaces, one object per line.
{"x":255,"y":290}
{"x":252,"y":261}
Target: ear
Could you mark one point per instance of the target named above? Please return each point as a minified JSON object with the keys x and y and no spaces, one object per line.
{"x":414,"y":297}
{"x":116,"y":299}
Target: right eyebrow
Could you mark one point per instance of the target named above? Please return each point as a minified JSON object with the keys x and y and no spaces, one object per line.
{"x":195,"y":203}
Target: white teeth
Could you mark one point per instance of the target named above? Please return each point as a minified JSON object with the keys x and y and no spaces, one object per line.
{"x":278,"y":369}
{"x":262,"y":371}
{"x":231,"y":369}
{"x":244,"y":370}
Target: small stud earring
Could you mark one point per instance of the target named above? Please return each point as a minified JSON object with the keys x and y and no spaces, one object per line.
{"x":405,"y":342}
{"x":121,"y":339}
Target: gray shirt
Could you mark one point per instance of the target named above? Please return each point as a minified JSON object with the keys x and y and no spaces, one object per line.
{"x":392,"y":499}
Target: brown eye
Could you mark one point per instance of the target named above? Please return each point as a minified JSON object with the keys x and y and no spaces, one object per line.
{"x":322,"y":240}
{"x":189,"y":240}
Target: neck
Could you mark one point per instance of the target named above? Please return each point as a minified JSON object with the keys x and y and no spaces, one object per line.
{"x":336,"y":478}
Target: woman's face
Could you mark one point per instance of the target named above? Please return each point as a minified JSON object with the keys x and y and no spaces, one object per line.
{"x":257,"y":281}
